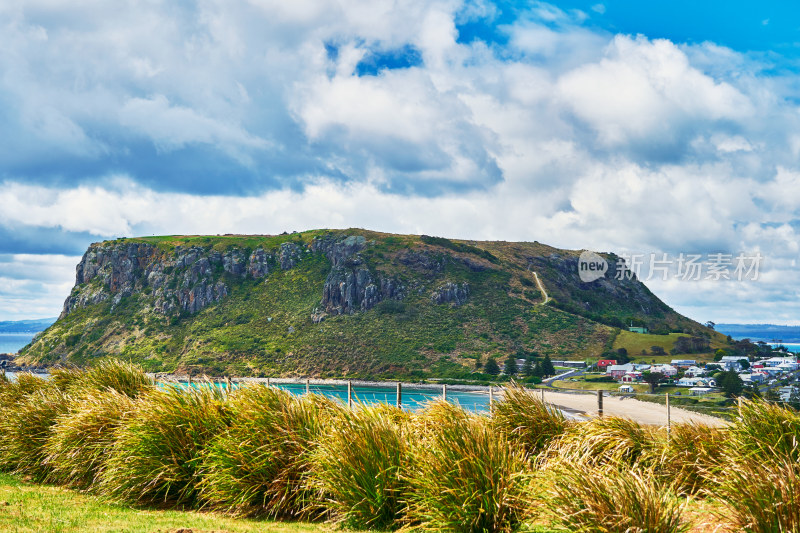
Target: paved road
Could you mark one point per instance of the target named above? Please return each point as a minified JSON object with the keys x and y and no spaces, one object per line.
{"x":572,"y":373}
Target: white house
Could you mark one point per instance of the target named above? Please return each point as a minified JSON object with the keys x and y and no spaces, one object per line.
{"x":696,"y":382}
{"x":699,"y":391}
{"x":776,"y":361}
{"x":683,"y":363}
{"x":626,"y":388}
{"x":667,"y":370}
{"x":755,"y":377}
{"x":694,"y":372}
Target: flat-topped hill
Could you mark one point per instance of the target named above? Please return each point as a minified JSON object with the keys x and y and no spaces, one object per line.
{"x":340,"y":303}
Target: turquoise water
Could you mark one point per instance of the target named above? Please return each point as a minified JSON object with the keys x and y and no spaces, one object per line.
{"x":791,"y":346}
{"x":412,"y":399}
{"x":13,"y":342}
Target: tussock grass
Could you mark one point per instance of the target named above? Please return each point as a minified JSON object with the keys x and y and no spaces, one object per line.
{"x":157,"y":455}
{"x":528,"y":421}
{"x":587,"y":496}
{"x":464,"y":476}
{"x":607,"y":440}
{"x":766,"y":430}
{"x":25,"y":428}
{"x":113,"y":374}
{"x":688,"y":454}
{"x":761,"y":496}
{"x":82,"y":437}
{"x":259,"y":465}
{"x":356,"y":467}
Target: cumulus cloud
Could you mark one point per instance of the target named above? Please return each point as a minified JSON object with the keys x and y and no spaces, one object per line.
{"x":215,"y":116}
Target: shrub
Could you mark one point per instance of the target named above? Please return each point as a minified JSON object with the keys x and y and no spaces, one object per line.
{"x":259,"y":464}
{"x":25,"y":428}
{"x":464,"y":477}
{"x":82,"y":437}
{"x":125,"y":378}
{"x":356,"y":467}
{"x":584,"y":496}
{"x":157,"y":454}
{"x":606,"y":440}
{"x":767,"y":430}
{"x":688,"y":455}
{"x":760,"y":496}
{"x":527,"y":421}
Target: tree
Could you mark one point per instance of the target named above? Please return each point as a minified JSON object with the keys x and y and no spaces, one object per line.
{"x":510,"y":365}
{"x":745,"y":364}
{"x":710,"y":324}
{"x":537,"y":370}
{"x":478,"y":362}
{"x":719,"y":354}
{"x":547,"y":367}
{"x":527,"y":367}
{"x":491,"y":367}
{"x":730,"y":383}
{"x":657,"y":350}
{"x":622,"y":356}
{"x":653,"y":379}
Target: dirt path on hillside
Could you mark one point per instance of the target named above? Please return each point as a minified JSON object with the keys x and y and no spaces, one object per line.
{"x":642,"y":412}
{"x":541,"y":288}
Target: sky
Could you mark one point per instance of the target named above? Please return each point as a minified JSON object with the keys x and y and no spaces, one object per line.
{"x":648,"y":129}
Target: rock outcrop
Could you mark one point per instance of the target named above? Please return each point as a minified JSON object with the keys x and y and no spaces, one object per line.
{"x":451,"y":293}
{"x":185,"y":279}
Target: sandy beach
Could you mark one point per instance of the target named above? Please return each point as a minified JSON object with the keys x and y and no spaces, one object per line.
{"x":642,"y":412}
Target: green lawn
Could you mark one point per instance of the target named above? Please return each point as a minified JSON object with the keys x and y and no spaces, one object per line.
{"x":29,"y":507}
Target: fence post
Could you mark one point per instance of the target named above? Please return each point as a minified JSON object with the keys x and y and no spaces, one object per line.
{"x":190,"y":379}
{"x":349,"y":394}
{"x":269,"y":384}
{"x":399,"y":394}
{"x":600,"y":403}
{"x":669,"y":419}
{"x":308,"y":386}
{"x":542,"y":394}
{"x":491,"y":398}
{"x":444,"y":392}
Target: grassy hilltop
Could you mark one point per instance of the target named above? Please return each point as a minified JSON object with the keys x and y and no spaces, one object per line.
{"x":340,"y":303}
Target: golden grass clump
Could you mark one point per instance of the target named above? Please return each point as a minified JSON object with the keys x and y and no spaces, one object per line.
{"x":607,"y":439}
{"x":766,"y":429}
{"x":760,"y":496}
{"x":583,"y":495}
{"x":25,"y":428}
{"x":687,"y":455}
{"x":82,"y":437}
{"x":528,"y":421}
{"x":157,"y":454}
{"x":259,"y":465}
{"x":356,"y":467}
{"x":125,"y":378}
{"x":464,"y":476}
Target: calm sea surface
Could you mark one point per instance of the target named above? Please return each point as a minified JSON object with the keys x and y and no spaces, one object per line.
{"x":413,"y":399}
{"x":13,"y":342}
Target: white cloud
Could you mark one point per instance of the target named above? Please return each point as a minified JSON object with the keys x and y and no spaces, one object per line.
{"x":567,"y":135}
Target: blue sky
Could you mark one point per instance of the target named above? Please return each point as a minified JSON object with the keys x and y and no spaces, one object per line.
{"x":633,"y":127}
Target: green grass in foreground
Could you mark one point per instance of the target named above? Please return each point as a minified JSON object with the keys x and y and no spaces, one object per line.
{"x":29,"y":507}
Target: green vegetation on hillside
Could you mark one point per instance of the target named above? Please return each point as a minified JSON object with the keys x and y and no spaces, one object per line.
{"x":266,"y":326}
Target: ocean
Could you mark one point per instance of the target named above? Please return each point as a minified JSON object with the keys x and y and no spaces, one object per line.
{"x":13,"y":342}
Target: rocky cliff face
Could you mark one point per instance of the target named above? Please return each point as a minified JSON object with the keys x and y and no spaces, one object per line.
{"x":186,"y":280}
{"x":350,"y":286}
{"x":189,"y":279}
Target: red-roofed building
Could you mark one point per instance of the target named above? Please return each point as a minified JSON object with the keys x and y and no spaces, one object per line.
{"x":603,"y":363}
